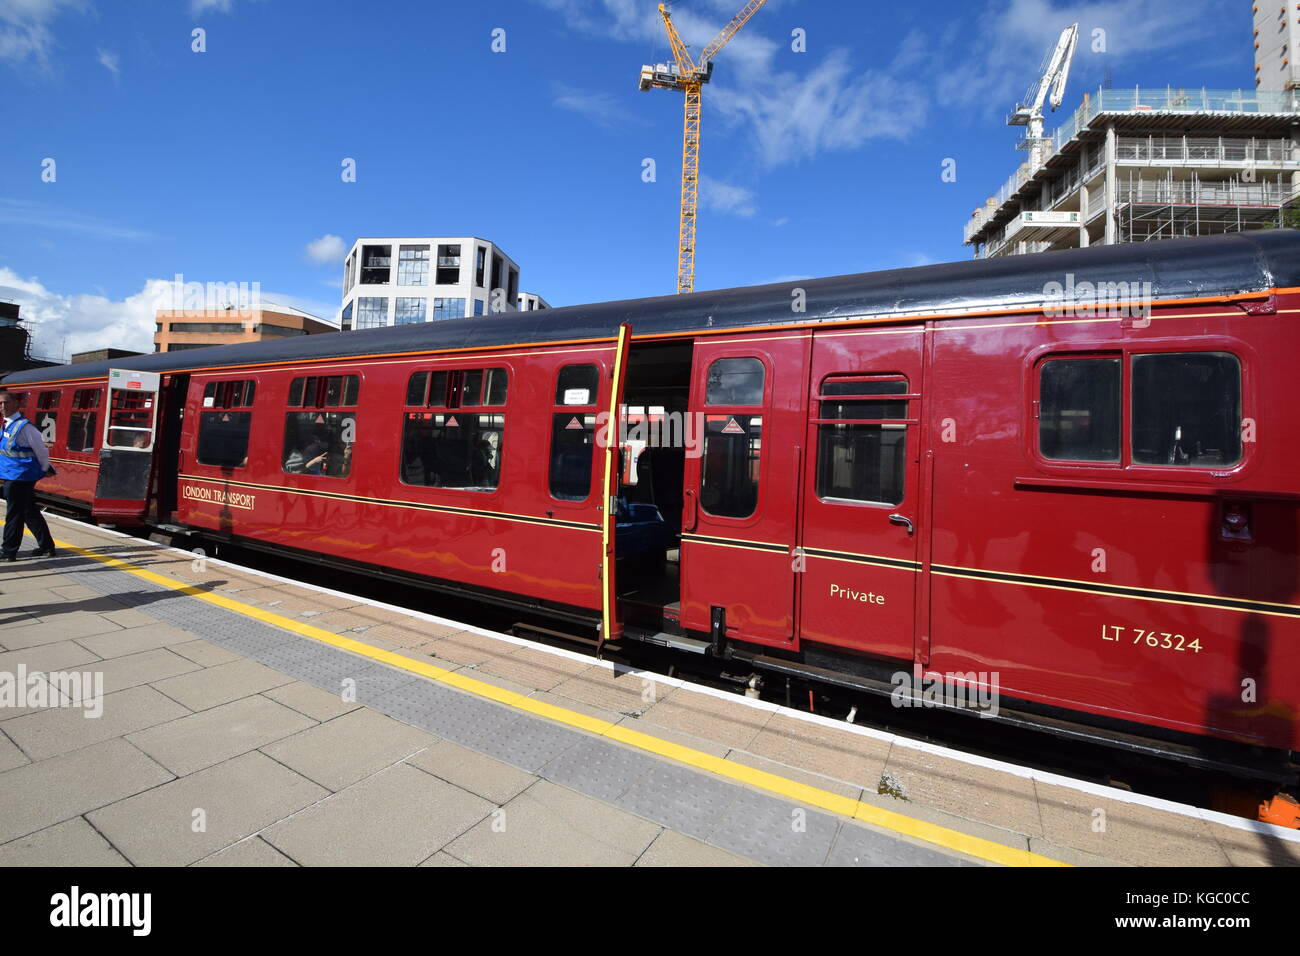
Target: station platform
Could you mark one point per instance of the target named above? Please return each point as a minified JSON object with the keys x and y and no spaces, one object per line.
{"x":247,"y":720}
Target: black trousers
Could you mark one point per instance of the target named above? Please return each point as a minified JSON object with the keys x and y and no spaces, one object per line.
{"x":20,"y":501}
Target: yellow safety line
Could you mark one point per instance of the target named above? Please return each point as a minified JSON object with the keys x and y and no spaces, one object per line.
{"x":781,"y":786}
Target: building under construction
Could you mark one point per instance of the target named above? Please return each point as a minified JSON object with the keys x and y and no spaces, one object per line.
{"x":1137,"y":164}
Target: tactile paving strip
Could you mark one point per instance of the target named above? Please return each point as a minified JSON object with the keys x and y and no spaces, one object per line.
{"x":693,"y":802}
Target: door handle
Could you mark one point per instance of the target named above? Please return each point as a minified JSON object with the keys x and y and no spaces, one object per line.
{"x":903,"y":520}
{"x":688,"y":511}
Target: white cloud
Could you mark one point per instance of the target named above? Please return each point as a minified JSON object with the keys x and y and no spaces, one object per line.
{"x":327,"y":250}
{"x":832,"y":107}
{"x":726,"y":199}
{"x":998,"y":63}
{"x":792,"y":116}
{"x":601,"y":108}
{"x":63,"y":324}
{"x":24,"y":29}
{"x":27,"y":212}
{"x":109,"y":61}
{"x":198,"y":7}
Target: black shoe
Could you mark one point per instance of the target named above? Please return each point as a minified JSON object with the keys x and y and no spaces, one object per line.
{"x":8,"y":557}
{"x":43,"y":552}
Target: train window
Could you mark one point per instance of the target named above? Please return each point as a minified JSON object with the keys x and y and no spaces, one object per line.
{"x":729,"y":464}
{"x":573,"y":432}
{"x":223,"y":434}
{"x":223,"y":438}
{"x":483,"y":386}
{"x":324,"y":391}
{"x":1079,"y":409}
{"x":452,"y":449}
{"x":735,"y":381}
{"x":572,"y":445}
{"x":46,"y":415}
{"x":229,"y":394}
{"x":320,"y":441}
{"x":458,"y":388}
{"x":577,"y":385}
{"x":1186,"y":409}
{"x":861,"y":453}
{"x":417,"y":387}
{"x":83,"y":421}
{"x":130,"y":419}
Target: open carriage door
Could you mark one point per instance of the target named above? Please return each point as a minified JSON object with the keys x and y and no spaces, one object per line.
{"x":126,"y":452}
{"x":609,"y":624}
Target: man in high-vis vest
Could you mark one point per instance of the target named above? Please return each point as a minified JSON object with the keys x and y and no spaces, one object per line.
{"x":23,"y":462}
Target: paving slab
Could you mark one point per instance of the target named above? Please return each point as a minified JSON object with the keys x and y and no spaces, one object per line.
{"x":1252,"y":848}
{"x":73,"y":842}
{"x":221,"y":684}
{"x":835,"y":753}
{"x":192,"y":817}
{"x":143,"y":668}
{"x":701,"y":715}
{"x":63,"y":729}
{"x":470,"y":770}
{"x":837,"y":787}
{"x":621,"y":691}
{"x":1125,"y":832}
{"x":548,"y":825}
{"x":204,"y":653}
{"x":398,"y":817}
{"x":671,"y":848}
{"x":10,"y":755}
{"x":343,"y":750}
{"x":537,"y":670}
{"x":251,"y":852}
{"x":67,"y":627}
{"x":211,"y":736}
{"x":38,"y":795}
{"x":32,"y":600}
{"x":412,"y":632}
{"x":311,"y":700}
{"x":60,"y":656}
{"x":133,"y":640}
{"x":976,"y":793}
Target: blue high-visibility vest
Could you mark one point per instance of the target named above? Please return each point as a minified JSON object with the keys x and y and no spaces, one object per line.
{"x":17,"y":463}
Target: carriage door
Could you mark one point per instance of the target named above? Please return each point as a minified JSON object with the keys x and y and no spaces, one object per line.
{"x":861,"y":499}
{"x":126,"y":454}
{"x":741,"y":490}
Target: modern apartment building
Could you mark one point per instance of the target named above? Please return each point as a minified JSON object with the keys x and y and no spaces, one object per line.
{"x":1137,"y":164}
{"x":530,"y":302}
{"x":402,"y":279}
{"x":195,"y":329}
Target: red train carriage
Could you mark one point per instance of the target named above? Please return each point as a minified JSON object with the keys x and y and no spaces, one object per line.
{"x":1070,"y":478}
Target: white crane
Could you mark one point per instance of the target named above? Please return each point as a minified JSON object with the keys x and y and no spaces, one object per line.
{"x":1054,"y":72}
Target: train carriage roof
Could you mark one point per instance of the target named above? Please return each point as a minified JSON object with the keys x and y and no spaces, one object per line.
{"x":1207,"y":266}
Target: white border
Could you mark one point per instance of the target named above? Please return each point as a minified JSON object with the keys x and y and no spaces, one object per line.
{"x":1039,"y":776}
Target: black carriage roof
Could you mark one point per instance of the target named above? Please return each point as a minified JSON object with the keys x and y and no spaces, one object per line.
{"x":1229,"y":264}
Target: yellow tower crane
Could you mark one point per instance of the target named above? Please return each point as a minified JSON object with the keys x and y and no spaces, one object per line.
{"x":689,"y":76}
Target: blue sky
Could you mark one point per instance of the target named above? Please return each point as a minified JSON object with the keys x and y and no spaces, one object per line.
{"x":224,"y":165}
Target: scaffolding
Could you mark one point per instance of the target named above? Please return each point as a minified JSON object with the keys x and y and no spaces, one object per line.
{"x":1137,"y":165}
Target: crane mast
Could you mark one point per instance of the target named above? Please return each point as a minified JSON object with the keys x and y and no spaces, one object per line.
{"x":688,"y":76}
